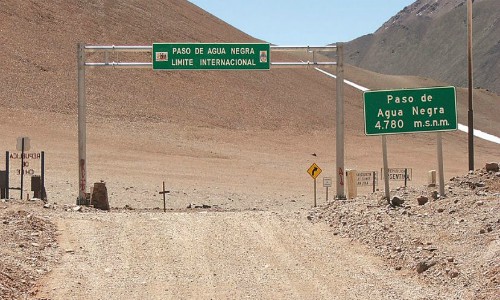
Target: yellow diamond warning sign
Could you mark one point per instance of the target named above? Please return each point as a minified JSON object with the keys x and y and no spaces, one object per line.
{"x":314,"y":170}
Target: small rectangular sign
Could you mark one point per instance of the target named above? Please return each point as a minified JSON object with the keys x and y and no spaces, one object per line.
{"x":366,"y":178}
{"x":398,"y":174}
{"x":211,"y":56}
{"x":410,"y":110}
{"x":327,"y":182}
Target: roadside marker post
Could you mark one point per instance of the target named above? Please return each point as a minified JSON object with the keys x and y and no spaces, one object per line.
{"x":163,"y":192}
{"x":327,"y":183}
{"x":23,"y":144}
{"x":7,"y":161}
{"x":352,"y":184}
{"x":314,"y":170}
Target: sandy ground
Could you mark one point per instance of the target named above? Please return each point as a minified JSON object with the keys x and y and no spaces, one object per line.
{"x":215,"y":255}
{"x":217,"y":166}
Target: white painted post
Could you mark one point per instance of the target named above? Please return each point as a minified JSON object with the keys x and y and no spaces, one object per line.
{"x":352,"y":184}
{"x":82,"y":127}
{"x":431,"y":178}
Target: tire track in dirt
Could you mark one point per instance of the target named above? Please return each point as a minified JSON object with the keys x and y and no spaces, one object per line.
{"x":215,"y":255}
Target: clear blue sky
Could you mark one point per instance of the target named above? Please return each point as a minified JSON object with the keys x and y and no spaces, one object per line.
{"x":304,"y":22}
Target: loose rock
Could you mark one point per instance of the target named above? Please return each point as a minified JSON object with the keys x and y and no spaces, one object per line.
{"x":422,"y":200}
{"x":396,"y":201}
{"x":424,"y":265}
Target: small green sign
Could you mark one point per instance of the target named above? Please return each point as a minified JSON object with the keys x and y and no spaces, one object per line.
{"x":214,"y":56}
{"x":410,"y":110}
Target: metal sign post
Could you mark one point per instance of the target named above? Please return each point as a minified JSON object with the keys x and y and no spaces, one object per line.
{"x":440,"y":163}
{"x":386,"y":169}
{"x":327,"y":183}
{"x":470,"y":73}
{"x":23,"y":144}
{"x":42,"y":176}
{"x":407,"y":111}
{"x":7,"y":159}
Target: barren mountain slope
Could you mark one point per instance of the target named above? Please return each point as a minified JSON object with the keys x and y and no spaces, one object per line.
{"x":215,"y":133}
{"x":429,"y":38}
{"x":38,"y":60}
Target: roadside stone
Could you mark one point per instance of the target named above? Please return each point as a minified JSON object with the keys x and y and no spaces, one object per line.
{"x":440,"y":210}
{"x":99,"y":198}
{"x":422,"y":200}
{"x":453,"y":273}
{"x":435,"y":195}
{"x":46,"y":205}
{"x":396,"y":201}
{"x":492,"y":167}
{"x":480,"y":184}
{"x":424,"y":265}
{"x":479,"y":203}
{"x":77,"y":208}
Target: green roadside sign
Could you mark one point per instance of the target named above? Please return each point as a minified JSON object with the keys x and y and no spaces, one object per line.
{"x":410,"y":110}
{"x":211,"y":56}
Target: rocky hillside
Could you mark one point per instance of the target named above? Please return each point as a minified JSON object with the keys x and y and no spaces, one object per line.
{"x":450,"y":242}
{"x":429,"y":39}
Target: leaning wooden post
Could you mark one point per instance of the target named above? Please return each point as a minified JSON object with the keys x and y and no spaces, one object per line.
{"x":164,"y":201}
{"x":163,"y":192}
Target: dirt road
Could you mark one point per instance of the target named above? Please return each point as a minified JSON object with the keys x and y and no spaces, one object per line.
{"x":215,"y":255}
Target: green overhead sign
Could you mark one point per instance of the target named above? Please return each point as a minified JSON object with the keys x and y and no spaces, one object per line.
{"x":211,"y":56}
{"x":410,"y":110}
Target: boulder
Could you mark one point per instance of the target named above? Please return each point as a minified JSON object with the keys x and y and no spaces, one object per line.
{"x":99,"y":198}
{"x":396,"y":201}
{"x":492,"y":167}
{"x":422,"y":200}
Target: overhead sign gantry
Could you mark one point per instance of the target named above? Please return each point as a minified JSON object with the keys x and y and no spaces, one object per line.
{"x":206,"y":56}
